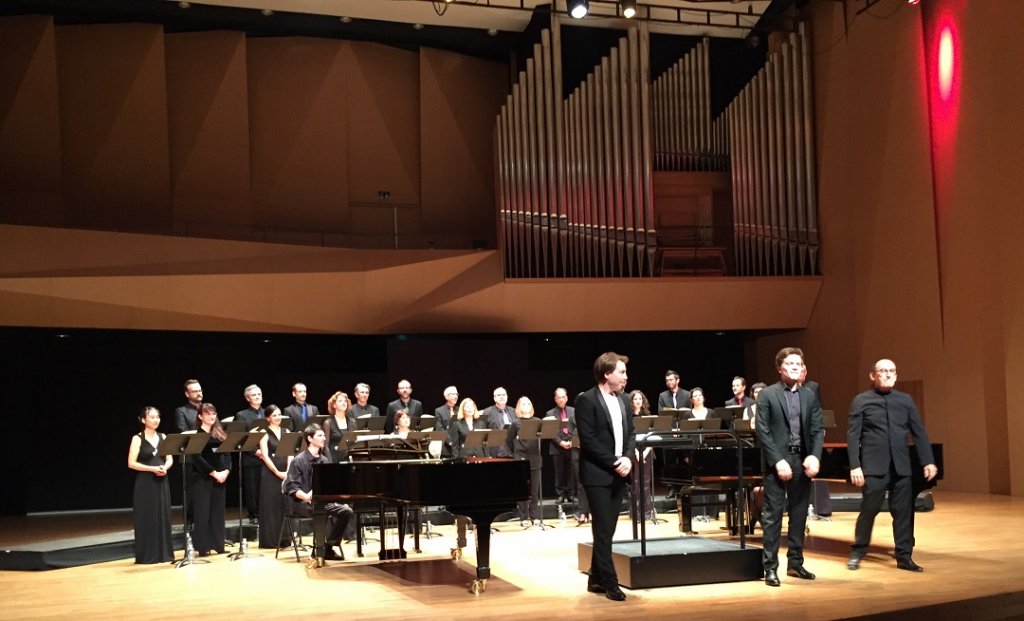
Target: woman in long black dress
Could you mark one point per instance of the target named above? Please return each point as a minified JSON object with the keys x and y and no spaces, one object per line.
{"x":341,"y":419}
{"x":642,"y":407}
{"x":209,"y":472}
{"x":151,"y":502}
{"x":274,"y":471}
{"x":526,"y":448}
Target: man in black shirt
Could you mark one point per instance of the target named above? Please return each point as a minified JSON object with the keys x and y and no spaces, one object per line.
{"x":876,"y":440}
{"x":251,"y":465}
{"x":185,"y":415}
{"x":298,"y":485}
{"x":362,"y":406}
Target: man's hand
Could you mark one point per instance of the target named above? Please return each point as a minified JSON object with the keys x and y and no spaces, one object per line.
{"x":783,"y":470}
{"x":857,"y":477}
{"x":304,"y":496}
{"x":566,"y":444}
{"x":811,"y":466}
{"x":930,"y":472}
{"x":623,"y":466}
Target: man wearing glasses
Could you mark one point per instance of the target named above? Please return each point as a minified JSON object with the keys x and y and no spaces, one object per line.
{"x":880,"y":420}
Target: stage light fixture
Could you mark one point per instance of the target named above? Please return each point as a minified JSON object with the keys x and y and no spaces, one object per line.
{"x":628,"y":8}
{"x":579,"y":8}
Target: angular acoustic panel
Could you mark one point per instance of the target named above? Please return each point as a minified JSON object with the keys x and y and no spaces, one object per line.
{"x":113,"y":111}
{"x":29,"y":122}
{"x":208,"y":118}
{"x":299,"y":134}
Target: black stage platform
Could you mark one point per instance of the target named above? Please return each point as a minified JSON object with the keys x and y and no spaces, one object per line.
{"x":679,"y":561}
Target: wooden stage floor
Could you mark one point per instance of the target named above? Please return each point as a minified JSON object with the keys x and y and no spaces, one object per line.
{"x":970,"y":547}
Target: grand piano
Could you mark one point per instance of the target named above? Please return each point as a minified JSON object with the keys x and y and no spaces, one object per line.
{"x":478,"y":489}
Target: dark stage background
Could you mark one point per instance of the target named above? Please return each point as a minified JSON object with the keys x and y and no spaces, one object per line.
{"x":75,"y":394}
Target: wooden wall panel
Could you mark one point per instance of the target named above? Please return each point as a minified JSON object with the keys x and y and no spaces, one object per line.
{"x":298,"y":133}
{"x":30,"y":159}
{"x":208,"y":119}
{"x":113,"y":109}
{"x":459,"y":100}
{"x":383,"y":98}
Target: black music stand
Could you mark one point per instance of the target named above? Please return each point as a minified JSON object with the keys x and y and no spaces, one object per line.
{"x":820,"y":508}
{"x":644,"y":426}
{"x":423,"y":421}
{"x":485,"y":438}
{"x":182,"y":444}
{"x":539,"y":429}
{"x":241,"y":442}
{"x":370,"y":423}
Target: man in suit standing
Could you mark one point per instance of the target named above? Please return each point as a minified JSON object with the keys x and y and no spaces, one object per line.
{"x":561,"y":447}
{"x":445,"y":414}
{"x":251,"y":465}
{"x":605,"y":428}
{"x":185,"y":415}
{"x":403,"y":402}
{"x":876,"y":441}
{"x":499,"y":416}
{"x":791,"y":435}
{"x":300,"y":412}
{"x":674,"y":397}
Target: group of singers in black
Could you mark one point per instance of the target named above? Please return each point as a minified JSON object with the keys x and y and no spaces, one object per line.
{"x":786,"y":417}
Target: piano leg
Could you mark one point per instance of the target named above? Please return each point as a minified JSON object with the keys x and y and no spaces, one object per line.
{"x":482,"y":527}
{"x":319,"y":535}
{"x":460,"y":537}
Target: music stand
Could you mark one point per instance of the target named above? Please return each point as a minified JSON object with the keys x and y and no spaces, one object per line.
{"x":291,"y":443}
{"x":425,"y":420}
{"x":370,"y":423}
{"x":485,"y":438}
{"x":182,"y":444}
{"x":241,"y":442}
{"x":537,"y":429}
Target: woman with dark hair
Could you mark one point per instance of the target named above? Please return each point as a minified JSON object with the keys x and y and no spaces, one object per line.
{"x":209,"y":472}
{"x":151,"y":501}
{"x":526,"y":448}
{"x":642,"y":407}
{"x":274,"y":471}
{"x":698,"y":409}
{"x":466,"y":421}
{"x":402,"y":423}
{"x":341,"y":419}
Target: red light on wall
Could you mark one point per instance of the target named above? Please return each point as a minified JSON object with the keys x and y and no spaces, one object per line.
{"x":947,"y":65}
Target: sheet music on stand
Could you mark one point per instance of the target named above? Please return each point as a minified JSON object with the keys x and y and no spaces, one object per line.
{"x":676,"y":414}
{"x":426,"y":421}
{"x":370,"y":423}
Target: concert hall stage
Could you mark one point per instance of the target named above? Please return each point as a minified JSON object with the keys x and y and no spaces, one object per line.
{"x":969,"y":547}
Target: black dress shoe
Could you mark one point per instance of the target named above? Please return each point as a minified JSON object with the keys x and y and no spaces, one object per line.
{"x":771,"y":578}
{"x":908,"y":565}
{"x":798,"y":571}
{"x":853,"y":563}
{"x":594,"y":587}
{"x":331,"y":555}
{"x":615,"y":594}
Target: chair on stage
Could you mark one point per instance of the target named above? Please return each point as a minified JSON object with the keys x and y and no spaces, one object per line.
{"x":292,"y":523}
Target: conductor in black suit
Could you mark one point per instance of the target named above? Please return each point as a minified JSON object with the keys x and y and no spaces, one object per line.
{"x":300,"y":413}
{"x":605,"y":428}
{"x":791,"y":435}
{"x":876,"y":439}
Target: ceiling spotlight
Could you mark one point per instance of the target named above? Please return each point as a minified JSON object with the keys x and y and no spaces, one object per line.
{"x":579,"y":8}
{"x":418,"y":26}
{"x":628,"y":8}
{"x":492,"y":31}
{"x":184,"y":5}
{"x":345,"y":19}
{"x":267,"y":12}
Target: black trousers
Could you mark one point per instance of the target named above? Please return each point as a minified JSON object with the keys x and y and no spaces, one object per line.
{"x":604,"y":501}
{"x":582,"y":506}
{"x":901,"y":507}
{"x":565,"y":474}
{"x":529,"y":509}
{"x":251,"y":487}
{"x":340,"y":518}
{"x":776,"y":493}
